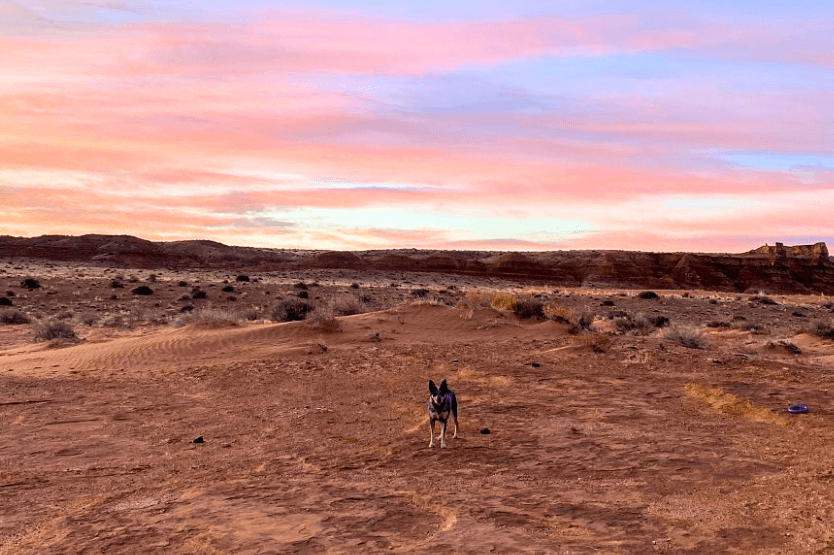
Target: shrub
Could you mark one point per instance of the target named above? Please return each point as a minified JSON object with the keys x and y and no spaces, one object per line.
{"x":648,"y":295}
{"x":49,"y":331}
{"x":688,"y":336}
{"x":419,"y":293}
{"x":303,"y":294}
{"x":30,"y":284}
{"x":143,"y":290}
{"x":502,"y":301}
{"x":10,"y":293}
{"x":300,"y":285}
{"x":152,"y":278}
{"x":88,"y":318}
{"x":763,"y":299}
{"x":348,"y":308}
{"x":228,"y":289}
{"x":658,"y":320}
{"x":582,"y":323}
{"x":117,"y":284}
{"x":325,"y":321}
{"x":478,"y":299}
{"x":528,"y":308}
{"x":13,"y":317}
{"x":825,"y":330}
{"x":354,"y":286}
{"x":182,"y":283}
{"x":197,"y":293}
{"x":719,"y":324}
{"x":184,"y":298}
{"x":607,"y":302}
{"x":290,"y":310}
{"x":365,"y":298}
{"x":242,"y":277}
{"x":757,"y":329}
{"x":187,"y":308}
{"x":639,"y":325}
{"x":559,"y":313}
{"x":5,"y":301}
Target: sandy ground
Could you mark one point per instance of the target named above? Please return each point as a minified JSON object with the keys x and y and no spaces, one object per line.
{"x":318,"y":443}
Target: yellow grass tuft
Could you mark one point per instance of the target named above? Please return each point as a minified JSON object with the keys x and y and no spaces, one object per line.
{"x":727,"y":403}
{"x":502,"y":301}
{"x":560,"y":313}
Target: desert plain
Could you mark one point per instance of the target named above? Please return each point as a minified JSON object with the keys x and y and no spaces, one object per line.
{"x":618,"y":422}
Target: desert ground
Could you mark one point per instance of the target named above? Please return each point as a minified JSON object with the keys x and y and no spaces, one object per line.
{"x":610,"y":429}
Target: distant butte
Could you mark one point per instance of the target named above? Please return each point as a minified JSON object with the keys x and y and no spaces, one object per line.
{"x":805,"y":269}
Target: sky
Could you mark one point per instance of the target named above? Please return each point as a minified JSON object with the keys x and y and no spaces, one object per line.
{"x":701,"y":126}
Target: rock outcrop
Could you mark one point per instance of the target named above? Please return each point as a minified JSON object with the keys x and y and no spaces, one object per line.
{"x":775,"y":269}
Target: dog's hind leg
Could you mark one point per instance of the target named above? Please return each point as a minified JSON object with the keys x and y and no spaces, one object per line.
{"x":431,"y":431}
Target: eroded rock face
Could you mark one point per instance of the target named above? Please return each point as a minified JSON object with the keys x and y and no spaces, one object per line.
{"x":775,"y":269}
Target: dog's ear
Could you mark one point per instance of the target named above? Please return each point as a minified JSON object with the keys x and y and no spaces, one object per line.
{"x":443,"y":387}
{"x":432,"y":387}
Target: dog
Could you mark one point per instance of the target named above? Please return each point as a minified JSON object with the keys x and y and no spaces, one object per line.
{"x":442,"y":404}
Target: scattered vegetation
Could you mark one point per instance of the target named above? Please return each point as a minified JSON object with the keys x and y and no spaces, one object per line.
{"x":824,"y":330}
{"x":53,"y":330}
{"x":763,"y":299}
{"x":291,"y":310}
{"x":13,"y":317}
{"x":325,"y":321}
{"x":30,"y":284}
{"x":688,"y":336}
{"x":528,"y":307}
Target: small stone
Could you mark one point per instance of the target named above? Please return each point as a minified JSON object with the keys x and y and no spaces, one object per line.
{"x":198,"y":439}
{"x":485,"y":431}
{"x":535,"y":364}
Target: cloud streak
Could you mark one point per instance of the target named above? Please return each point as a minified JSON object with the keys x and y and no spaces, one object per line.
{"x":207,"y":129}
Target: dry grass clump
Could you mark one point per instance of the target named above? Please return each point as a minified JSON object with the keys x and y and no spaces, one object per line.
{"x":719,"y":324}
{"x":785,"y":344}
{"x":597,"y":342}
{"x":348,"y":307}
{"x":210,"y":318}
{"x":325,"y":321}
{"x":502,"y":301}
{"x":559,"y":313}
{"x":291,"y":310}
{"x":477,"y":299}
{"x":13,"y":317}
{"x":729,"y":404}
{"x":688,"y":336}
{"x":636,"y":325}
{"x":824,"y":330}
{"x":52,"y":330}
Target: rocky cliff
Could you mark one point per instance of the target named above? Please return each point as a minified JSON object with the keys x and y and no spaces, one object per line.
{"x":775,"y":269}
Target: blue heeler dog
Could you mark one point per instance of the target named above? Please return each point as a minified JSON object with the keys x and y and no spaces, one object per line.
{"x":442,"y":403}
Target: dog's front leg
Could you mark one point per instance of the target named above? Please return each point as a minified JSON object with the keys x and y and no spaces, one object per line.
{"x":431,"y":431}
{"x":443,"y":434}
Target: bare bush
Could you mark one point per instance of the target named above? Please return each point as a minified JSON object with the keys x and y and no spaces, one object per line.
{"x":824,"y":330}
{"x":13,"y":317}
{"x":88,"y":318}
{"x":325,"y":321}
{"x":291,"y":309}
{"x":528,"y":307}
{"x":52,"y":330}
{"x":688,"y":336}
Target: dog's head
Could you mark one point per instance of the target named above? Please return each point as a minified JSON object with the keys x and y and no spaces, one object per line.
{"x":438,"y":393}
